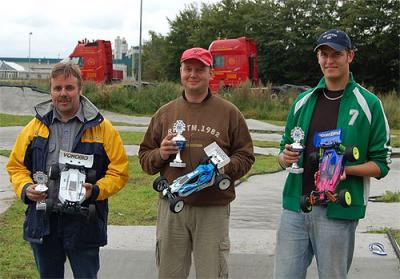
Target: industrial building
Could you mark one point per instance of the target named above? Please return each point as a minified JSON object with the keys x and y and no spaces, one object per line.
{"x":16,"y":68}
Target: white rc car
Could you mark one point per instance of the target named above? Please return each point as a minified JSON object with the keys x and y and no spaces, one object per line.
{"x":75,"y":172}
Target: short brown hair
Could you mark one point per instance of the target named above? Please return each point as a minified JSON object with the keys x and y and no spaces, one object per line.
{"x":66,"y":69}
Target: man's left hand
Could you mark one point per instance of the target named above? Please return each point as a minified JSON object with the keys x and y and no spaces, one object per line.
{"x":88,"y":188}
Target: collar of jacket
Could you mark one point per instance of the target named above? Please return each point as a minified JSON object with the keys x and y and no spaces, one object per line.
{"x":44,"y":111}
{"x":322,"y":84}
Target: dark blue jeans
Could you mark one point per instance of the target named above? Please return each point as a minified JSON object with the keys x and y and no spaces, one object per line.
{"x":51,"y":255}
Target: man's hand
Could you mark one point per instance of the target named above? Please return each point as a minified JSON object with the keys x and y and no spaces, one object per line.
{"x":288,"y":157}
{"x":343,"y":175}
{"x":88,"y":188}
{"x":168,"y":147}
{"x":34,"y":195}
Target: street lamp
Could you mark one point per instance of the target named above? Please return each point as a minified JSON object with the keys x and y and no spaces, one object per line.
{"x":29,"y":57}
{"x":140,"y":49}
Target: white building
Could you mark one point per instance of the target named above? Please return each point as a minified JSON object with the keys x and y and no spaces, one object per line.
{"x":11,"y":70}
{"x":120,"y":48}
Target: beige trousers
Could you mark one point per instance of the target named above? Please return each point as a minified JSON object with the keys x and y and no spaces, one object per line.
{"x":201,"y":230}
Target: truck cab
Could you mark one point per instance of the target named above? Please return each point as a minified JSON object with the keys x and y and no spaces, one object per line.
{"x":235,"y":62}
{"x":95,"y":61}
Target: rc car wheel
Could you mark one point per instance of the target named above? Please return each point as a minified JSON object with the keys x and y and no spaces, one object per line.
{"x":92,"y":212}
{"x":314,"y":160}
{"x":305,"y":204}
{"x":176,"y":205}
{"x":352,"y":153}
{"x":223,"y":181}
{"x":344,"y":198}
{"x":54,"y":172}
{"x":160,"y":184}
{"x":91,"y":176}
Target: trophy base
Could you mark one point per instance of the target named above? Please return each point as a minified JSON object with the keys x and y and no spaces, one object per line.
{"x":177,"y":165}
{"x":295,"y":170}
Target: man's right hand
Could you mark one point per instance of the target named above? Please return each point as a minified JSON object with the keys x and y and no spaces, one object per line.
{"x":34,"y":195}
{"x":288,"y":157}
{"x":168,"y":147}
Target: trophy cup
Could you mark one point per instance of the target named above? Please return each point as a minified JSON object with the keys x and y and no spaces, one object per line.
{"x":297,"y":135}
{"x":179,"y":128}
{"x":41,"y":179}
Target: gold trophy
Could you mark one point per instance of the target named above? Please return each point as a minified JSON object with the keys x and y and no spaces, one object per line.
{"x":297,"y":135}
{"x":179,"y":139}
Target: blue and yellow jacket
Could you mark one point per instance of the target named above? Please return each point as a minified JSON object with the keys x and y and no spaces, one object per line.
{"x":97,"y":137}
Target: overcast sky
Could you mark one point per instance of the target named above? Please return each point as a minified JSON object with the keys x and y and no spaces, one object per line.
{"x":56,"y":26}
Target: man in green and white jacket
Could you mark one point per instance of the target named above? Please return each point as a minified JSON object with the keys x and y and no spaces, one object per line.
{"x":328,"y":232}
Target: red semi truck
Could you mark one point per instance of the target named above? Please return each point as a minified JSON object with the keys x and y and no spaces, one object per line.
{"x":95,"y":61}
{"x":235,"y":61}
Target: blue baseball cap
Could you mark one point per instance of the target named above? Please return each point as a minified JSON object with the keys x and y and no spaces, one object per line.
{"x":335,"y":39}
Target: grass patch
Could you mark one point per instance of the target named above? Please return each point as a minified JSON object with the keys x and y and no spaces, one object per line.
{"x":395,"y":138}
{"x":395,"y":233}
{"x":266,"y":144}
{"x":16,"y":259}
{"x":116,"y":123}
{"x":136,"y":203}
{"x":389,"y":196}
{"x":132,"y":137}
{"x":14,"y":120}
{"x":4,"y":152}
{"x":276,"y":122}
{"x":264,"y":164}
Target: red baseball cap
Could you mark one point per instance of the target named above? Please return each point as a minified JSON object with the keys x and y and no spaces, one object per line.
{"x":198,"y":53}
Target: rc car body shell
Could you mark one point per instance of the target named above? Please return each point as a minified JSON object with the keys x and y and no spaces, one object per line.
{"x":71,"y":188}
{"x":202,"y":177}
{"x":205,"y":175}
{"x":332,"y":158}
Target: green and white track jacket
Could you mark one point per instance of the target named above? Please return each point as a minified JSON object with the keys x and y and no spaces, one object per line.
{"x":363,"y":123}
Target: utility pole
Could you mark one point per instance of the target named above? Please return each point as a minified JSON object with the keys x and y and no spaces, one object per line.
{"x":140,"y":49}
{"x":29,"y":57}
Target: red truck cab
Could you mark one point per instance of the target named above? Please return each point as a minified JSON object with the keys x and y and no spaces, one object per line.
{"x":235,"y":62}
{"x":95,"y":61}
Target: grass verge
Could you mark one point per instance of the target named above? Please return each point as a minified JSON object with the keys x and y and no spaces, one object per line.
{"x":395,"y":233}
{"x":14,"y":120}
{"x":132,"y":137}
{"x":389,"y":196}
{"x":4,"y":152}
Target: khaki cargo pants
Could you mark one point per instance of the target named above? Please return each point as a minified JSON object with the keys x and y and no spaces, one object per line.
{"x":201,"y":230}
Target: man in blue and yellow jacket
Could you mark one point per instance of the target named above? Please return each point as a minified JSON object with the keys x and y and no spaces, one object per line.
{"x":68,"y":122}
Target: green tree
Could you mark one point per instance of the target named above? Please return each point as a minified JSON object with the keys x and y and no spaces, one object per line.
{"x":374,"y":28}
{"x":154,"y":57}
{"x":286,"y":32}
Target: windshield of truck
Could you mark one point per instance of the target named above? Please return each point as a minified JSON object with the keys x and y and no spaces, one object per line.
{"x":77,"y":61}
{"x":218,"y":61}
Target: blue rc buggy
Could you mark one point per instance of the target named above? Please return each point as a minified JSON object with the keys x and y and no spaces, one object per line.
{"x":205,"y":175}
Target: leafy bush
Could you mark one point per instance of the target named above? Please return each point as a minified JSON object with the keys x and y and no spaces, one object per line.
{"x":129,"y":100}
